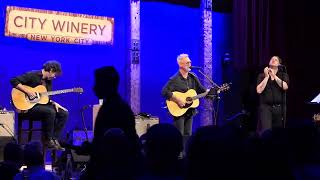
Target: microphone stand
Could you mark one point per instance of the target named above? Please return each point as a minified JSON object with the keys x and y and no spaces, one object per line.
{"x":284,"y":99}
{"x":215,"y":113}
{"x":213,"y":83}
{"x":83,"y":121}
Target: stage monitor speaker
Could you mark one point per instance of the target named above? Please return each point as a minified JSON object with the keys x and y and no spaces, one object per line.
{"x":6,"y":123}
{"x":142,"y":123}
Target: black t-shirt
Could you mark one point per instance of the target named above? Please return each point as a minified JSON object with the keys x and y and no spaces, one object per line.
{"x":180,"y":84}
{"x":273,"y":93}
{"x":32,"y":79}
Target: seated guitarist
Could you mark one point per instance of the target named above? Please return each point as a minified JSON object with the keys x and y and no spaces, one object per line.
{"x":182,"y":81}
{"x":53,"y":115}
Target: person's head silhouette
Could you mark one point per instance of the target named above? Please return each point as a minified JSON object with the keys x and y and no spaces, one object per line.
{"x":106,"y":81}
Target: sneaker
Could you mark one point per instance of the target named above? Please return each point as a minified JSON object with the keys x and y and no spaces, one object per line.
{"x":58,"y":146}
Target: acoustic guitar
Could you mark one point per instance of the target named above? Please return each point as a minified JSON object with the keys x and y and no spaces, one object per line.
{"x":191,"y":99}
{"x":22,"y":102}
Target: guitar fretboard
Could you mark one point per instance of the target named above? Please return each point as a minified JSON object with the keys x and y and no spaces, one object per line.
{"x":222,"y":88}
{"x":57,"y":92}
{"x":200,"y":95}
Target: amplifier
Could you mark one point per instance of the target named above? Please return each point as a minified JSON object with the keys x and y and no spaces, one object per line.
{"x":142,"y":123}
{"x":7,"y":123}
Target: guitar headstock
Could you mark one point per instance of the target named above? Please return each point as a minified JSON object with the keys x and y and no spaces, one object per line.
{"x":77,"y":90}
{"x":224,"y":87}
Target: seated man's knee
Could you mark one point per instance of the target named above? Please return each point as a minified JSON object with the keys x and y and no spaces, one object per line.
{"x":50,"y":112}
{"x":64,"y":114}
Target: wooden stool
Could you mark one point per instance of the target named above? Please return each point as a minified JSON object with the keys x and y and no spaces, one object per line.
{"x":24,"y":117}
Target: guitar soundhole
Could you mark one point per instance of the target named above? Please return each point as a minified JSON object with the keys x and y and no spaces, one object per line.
{"x":31,"y":99}
{"x":188,"y":102}
{"x":34,"y":99}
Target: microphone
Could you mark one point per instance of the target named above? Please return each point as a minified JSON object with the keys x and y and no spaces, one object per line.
{"x":195,"y":67}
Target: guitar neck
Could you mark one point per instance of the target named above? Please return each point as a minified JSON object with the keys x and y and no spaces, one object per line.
{"x":200,"y":95}
{"x":57,"y":92}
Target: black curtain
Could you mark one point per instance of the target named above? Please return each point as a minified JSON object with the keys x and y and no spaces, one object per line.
{"x":287,"y":28}
{"x":258,"y":32}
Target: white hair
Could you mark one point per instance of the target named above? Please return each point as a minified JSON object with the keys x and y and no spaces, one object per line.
{"x":181,"y":56}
